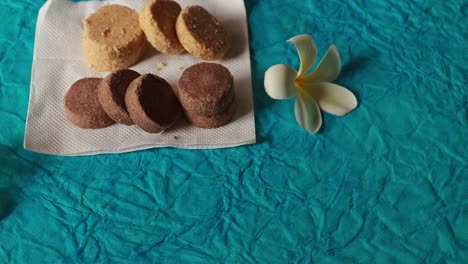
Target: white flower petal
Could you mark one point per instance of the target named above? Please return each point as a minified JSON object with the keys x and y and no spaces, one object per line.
{"x":328,"y":69}
{"x":307,"y":51}
{"x":331,"y":97}
{"x":307,"y":113}
{"x":279,"y":81}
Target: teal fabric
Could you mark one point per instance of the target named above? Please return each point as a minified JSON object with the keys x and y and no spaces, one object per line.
{"x":387,"y":183}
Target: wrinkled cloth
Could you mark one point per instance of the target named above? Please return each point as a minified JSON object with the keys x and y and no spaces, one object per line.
{"x":385,"y":184}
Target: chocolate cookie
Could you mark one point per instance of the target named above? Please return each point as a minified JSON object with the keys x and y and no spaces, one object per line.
{"x":82,"y":106}
{"x":202,"y":34}
{"x":206,"y":92}
{"x":157,"y":20}
{"x":111,"y":94}
{"x":152,"y":104}
{"x":206,"y":89}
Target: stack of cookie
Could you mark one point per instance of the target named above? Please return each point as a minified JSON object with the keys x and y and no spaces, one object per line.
{"x":206,"y":92}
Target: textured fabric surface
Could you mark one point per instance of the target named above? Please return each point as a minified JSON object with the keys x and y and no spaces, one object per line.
{"x":385,"y":184}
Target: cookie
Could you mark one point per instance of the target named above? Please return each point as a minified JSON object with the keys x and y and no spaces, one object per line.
{"x":157,"y":20}
{"x":206,"y":89}
{"x":213,"y":121}
{"x":111,"y":94}
{"x":82,"y":107}
{"x":202,"y":34}
{"x":206,"y":92}
{"x":152,"y":104}
{"x":112,"y":38}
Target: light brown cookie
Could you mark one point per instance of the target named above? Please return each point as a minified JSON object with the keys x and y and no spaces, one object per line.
{"x":157,"y":20}
{"x":202,"y":34}
{"x":152,"y":104}
{"x":112,"y":38}
{"x":82,"y":107}
{"x":111,"y":94}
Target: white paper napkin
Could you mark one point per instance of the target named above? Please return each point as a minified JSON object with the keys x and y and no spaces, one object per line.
{"x":58,"y":62}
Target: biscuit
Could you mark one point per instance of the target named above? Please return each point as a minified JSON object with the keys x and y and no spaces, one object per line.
{"x":157,"y":20}
{"x":152,"y":104}
{"x":111,"y":94}
{"x":112,"y":38}
{"x":206,"y":92}
{"x":82,"y":107}
{"x":202,"y":34}
{"x":206,"y":89}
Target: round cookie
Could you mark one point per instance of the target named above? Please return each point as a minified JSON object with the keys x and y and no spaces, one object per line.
{"x":111,"y":94}
{"x":202,"y":34}
{"x":112,"y":38}
{"x":152,"y":104}
{"x":206,"y":89}
{"x":82,"y":107}
{"x":212,"y":121}
{"x":157,"y":20}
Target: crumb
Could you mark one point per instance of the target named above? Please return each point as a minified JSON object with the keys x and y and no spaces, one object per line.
{"x":176,"y":137}
{"x":181,"y":68}
{"x":160,"y":65}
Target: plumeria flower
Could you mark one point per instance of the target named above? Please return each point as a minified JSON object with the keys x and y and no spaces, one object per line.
{"x":314,"y":89}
